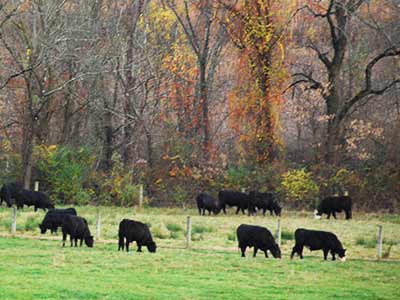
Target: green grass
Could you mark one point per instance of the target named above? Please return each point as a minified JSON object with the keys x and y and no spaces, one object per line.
{"x":213,"y":269}
{"x":40,"y":269}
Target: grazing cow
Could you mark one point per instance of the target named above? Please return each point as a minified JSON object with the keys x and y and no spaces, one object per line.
{"x":135,"y":231}
{"x":32,"y":198}
{"x":265,"y":201}
{"x":77,"y":228}
{"x":231,"y":198}
{"x":318,"y":240}
{"x":257,"y":237}
{"x":9,"y":191}
{"x":332,"y":205}
{"x":54,"y":219}
{"x":207,"y":202}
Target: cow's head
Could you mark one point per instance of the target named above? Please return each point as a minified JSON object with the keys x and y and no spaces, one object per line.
{"x":317,"y":214}
{"x":152,"y":247}
{"x":42,"y":228}
{"x":276,"y":251}
{"x":277,"y":208}
{"x":216,"y":210}
{"x":89,"y":241}
{"x":342,"y":254}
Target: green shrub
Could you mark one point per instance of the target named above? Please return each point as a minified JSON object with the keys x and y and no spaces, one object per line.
{"x":202,"y":229}
{"x":287,"y":235}
{"x":367,"y":243}
{"x":176,"y":235}
{"x":300,"y":188}
{"x":161,"y":231}
{"x":31,"y":223}
{"x":174,"y":227}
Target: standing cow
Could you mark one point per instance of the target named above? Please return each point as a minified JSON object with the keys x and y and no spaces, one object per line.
{"x":9,"y":191}
{"x":334,"y":204}
{"x":131,"y":231}
{"x":77,"y":228}
{"x":265,"y":201}
{"x":207,"y":202}
{"x":257,"y":237}
{"x":318,"y":240}
{"x":54,"y":219}
{"x":238,"y":199}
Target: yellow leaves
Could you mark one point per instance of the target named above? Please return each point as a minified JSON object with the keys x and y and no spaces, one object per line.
{"x":158,"y":181}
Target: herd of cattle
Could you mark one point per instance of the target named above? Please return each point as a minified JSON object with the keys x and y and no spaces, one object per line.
{"x":260,"y":238}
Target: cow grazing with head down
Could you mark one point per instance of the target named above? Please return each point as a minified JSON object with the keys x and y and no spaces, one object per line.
{"x":130,"y":231}
{"x":207,"y":202}
{"x":257,"y":237}
{"x":334,"y":204}
{"x":318,"y":240}
{"x":265,"y":201}
{"x":54,"y":219}
{"x":238,"y":199}
{"x":77,"y":228}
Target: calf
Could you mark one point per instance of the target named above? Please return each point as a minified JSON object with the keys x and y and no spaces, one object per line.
{"x":77,"y":228}
{"x":318,"y":240}
{"x":265,"y":201}
{"x":207,"y":202}
{"x":231,"y":198}
{"x":131,"y":231}
{"x":332,"y":205}
{"x":257,"y":237}
{"x":54,"y":219}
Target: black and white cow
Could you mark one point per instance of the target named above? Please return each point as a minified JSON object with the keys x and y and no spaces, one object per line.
{"x":257,"y":237}
{"x":130,"y":231}
{"x":318,"y":240}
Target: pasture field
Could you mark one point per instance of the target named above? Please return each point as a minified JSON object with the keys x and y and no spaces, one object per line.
{"x":33,"y":268}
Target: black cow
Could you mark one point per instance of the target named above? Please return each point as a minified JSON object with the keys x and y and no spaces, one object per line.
{"x":32,"y":198}
{"x":265,"y":201}
{"x":332,"y":205}
{"x":257,"y":237}
{"x":207,"y":202}
{"x":54,"y":219}
{"x":231,"y":198}
{"x":77,"y":228}
{"x":9,"y":191}
{"x":131,"y":231}
{"x":318,"y":240}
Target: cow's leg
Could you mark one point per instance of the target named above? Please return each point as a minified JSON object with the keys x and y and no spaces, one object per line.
{"x":243,"y":249}
{"x":139,"y":249}
{"x":348,"y":214}
{"x":224,"y":209}
{"x":35,"y":208}
{"x":209,"y":212}
{"x":300,"y":251}
{"x":329,"y":215}
{"x":333,"y":255}
{"x":294,"y":250}
{"x":204,"y":211}
{"x":237,"y":210}
{"x":270,"y":212}
{"x":76,"y":241}
{"x":64,"y":238}
{"x":127,"y":245}
{"x":71,"y":239}
{"x":326,"y":251}
{"x":120,"y":243}
{"x":264,"y":211}
{"x":243,"y":210}
{"x":266,"y":253}
{"x":199,"y":210}
{"x":81,"y":242}
{"x":255,"y":251}
{"x":334,"y":214}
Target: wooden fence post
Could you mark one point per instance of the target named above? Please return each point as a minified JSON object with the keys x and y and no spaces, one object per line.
{"x":379,"y":242}
{"x":36,"y":189}
{"x":140,"y":196}
{"x":188,"y":232}
{"x":278,"y":232}
{"x":14,"y":220}
{"x":98,"y":225}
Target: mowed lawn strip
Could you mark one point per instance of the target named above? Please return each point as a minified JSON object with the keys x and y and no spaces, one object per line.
{"x":37,"y":269}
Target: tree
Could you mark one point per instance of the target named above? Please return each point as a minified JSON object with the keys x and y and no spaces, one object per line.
{"x":339,"y":107}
